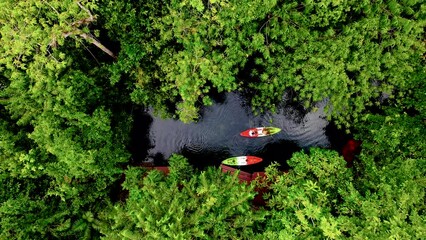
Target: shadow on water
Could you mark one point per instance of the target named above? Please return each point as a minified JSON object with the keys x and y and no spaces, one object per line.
{"x":278,"y":152}
{"x":336,"y":136}
{"x":139,"y":137}
{"x":215,"y":136}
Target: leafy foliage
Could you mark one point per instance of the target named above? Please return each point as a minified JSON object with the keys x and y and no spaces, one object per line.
{"x":305,"y":201}
{"x":320,"y":198}
{"x":33,"y":30}
{"x":391,"y":175}
{"x":61,"y":140}
{"x":347,"y":52}
{"x":392,"y":168}
{"x":64,"y":123}
{"x":206,"y":205}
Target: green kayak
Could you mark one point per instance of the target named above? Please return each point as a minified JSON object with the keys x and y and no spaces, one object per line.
{"x":242,"y":160}
{"x":260,"y":132}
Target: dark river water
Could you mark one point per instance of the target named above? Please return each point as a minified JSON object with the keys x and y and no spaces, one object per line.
{"x":215,"y":136}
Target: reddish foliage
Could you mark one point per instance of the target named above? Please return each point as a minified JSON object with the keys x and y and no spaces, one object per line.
{"x":258,"y":199}
{"x":350,"y":150}
{"x":247,"y":177}
{"x":243,"y":176}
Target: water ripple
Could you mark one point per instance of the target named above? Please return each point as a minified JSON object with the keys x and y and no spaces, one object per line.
{"x":216,"y":135}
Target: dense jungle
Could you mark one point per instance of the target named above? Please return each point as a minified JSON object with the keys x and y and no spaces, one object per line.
{"x":72,"y":73}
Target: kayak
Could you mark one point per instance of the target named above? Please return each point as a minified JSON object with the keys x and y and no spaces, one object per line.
{"x":242,"y":160}
{"x":260,"y":132}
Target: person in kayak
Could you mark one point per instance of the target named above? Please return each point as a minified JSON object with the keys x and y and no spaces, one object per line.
{"x":258,"y":132}
{"x":262,"y":132}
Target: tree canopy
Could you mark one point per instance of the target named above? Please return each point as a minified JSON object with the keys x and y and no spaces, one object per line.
{"x":71,"y":71}
{"x":348,"y":52}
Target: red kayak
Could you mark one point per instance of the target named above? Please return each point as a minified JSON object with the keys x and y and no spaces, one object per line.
{"x":259,"y":132}
{"x":242,"y":160}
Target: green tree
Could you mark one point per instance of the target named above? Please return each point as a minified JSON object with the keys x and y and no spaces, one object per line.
{"x":304,"y":203}
{"x":347,"y":52}
{"x":62,"y":126}
{"x":391,"y":175}
{"x":33,"y":30}
{"x":381,"y":198}
{"x":179,"y":53}
{"x":206,"y":205}
{"x":66,"y":142}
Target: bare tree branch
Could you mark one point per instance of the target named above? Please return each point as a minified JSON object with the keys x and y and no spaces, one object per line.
{"x":79,"y":32}
{"x":88,"y":20}
{"x":87,"y":10}
{"x":98,"y":44}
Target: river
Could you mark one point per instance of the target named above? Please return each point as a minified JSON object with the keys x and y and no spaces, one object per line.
{"x":215,"y":136}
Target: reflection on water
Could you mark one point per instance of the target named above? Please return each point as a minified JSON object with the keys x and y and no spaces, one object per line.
{"x":216,"y":135}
